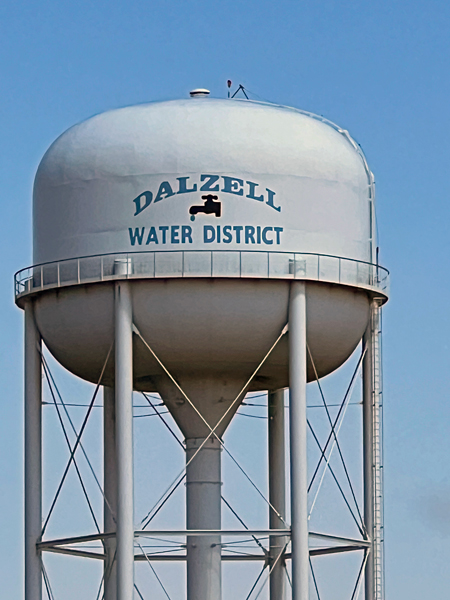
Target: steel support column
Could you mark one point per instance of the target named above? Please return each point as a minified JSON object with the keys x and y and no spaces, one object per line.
{"x":110,"y":491}
{"x":203,"y":507}
{"x":373,"y":493}
{"x":124,"y":440}
{"x":277,"y":491}
{"x":298,"y":428}
{"x":33,"y":456}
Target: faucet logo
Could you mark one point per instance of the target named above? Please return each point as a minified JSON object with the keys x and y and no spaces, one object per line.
{"x":210,"y":207}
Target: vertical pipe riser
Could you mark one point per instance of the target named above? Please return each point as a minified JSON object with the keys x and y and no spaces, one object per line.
{"x":124,"y":440}
{"x":298,"y":441}
{"x":33,"y":456}
{"x":203,"y":511}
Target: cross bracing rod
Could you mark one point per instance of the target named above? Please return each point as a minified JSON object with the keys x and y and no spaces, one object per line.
{"x":335,"y":436}
{"x":328,"y":466}
{"x":339,"y":539}
{"x":197,"y":575}
{"x":48,"y":587}
{"x":151,"y":514}
{"x":66,"y":437}
{"x":165,"y":533}
{"x":166,"y":557}
{"x":53,"y":387}
{"x":77,"y":443}
{"x":243,"y":523}
{"x":154,"y":573}
{"x":72,"y":552}
{"x":44,"y":545}
{"x":74,"y":540}
{"x":253,"y":557}
{"x":313,"y":575}
{"x":334,"y":550}
{"x":181,"y":557}
{"x":154,"y":557}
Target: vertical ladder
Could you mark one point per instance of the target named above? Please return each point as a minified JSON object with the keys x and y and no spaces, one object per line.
{"x":377,"y":533}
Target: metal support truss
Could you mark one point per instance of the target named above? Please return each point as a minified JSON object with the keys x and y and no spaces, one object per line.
{"x":270,"y":545}
{"x":331,"y":544}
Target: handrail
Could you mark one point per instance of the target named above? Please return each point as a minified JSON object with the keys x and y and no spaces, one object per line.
{"x":202,"y":263}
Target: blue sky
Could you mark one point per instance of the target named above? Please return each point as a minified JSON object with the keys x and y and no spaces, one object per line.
{"x":378,"y":69}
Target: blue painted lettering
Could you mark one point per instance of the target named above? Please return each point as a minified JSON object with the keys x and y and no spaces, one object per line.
{"x":186,"y":234}
{"x":152,"y":237}
{"x":142,"y":201}
{"x":278,"y":231}
{"x":209,"y":183}
{"x":209,"y":234}
{"x":270,"y":200}
{"x":165,"y":191}
{"x":238,"y":229}
{"x":174,"y":233}
{"x":218,"y":234}
{"x":182,"y":186}
{"x":231,"y":185}
{"x":251,"y":192}
{"x":227,"y":235}
{"x":266,"y":240}
{"x":137,"y":235}
{"x":209,"y":180}
{"x":163,"y":229}
{"x":249,"y":234}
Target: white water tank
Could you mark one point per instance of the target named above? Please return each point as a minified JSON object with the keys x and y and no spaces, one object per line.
{"x":210,"y":208}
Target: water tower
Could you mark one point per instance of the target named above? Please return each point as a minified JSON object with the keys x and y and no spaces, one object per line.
{"x":201,"y":249}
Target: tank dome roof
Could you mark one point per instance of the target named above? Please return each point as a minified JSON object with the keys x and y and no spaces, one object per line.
{"x":179,"y":135}
{"x":273,"y":167}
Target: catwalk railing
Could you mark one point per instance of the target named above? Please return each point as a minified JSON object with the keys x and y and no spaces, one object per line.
{"x":202,"y":263}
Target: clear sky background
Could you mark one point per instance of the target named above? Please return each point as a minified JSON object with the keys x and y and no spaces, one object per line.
{"x":379,"y":69}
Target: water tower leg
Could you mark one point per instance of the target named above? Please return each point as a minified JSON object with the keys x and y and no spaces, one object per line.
{"x":277,"y":491}
{"x":33,"y":456}
{"x":124,"y":440}
{"x":203,"y":504}
{"x":297,"y":419}
{"x":110,"y":490}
